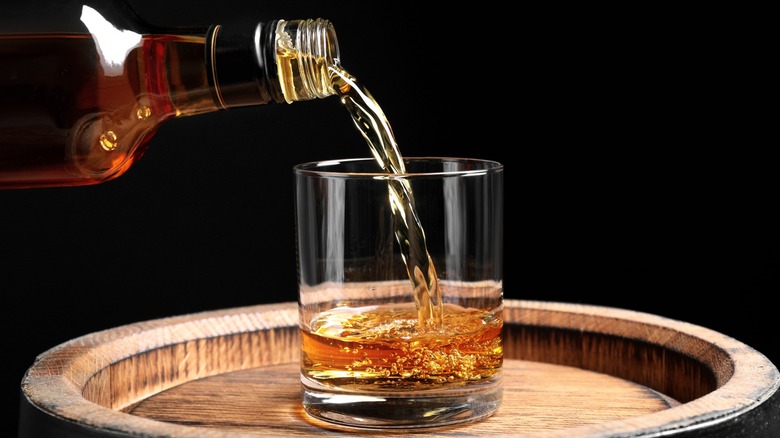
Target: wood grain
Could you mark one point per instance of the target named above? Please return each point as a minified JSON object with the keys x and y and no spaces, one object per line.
{"x":538,"y":397}
{"x":571,"y":370}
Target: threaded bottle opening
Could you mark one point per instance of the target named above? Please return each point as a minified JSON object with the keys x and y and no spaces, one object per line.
{"x":304,"y":51}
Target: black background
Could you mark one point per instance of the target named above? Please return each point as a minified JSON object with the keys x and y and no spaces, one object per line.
{"x":635,"y":177}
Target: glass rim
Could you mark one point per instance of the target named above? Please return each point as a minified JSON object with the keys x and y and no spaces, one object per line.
{"x":314,"y":168}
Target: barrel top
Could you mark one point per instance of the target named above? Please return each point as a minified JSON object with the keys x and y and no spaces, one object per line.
{"x":592,"y":371}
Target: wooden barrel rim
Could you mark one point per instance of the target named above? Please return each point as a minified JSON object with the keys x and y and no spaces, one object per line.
{"x":65,"y":382}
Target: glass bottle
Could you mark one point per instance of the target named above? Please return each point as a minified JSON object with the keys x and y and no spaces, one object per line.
{"x":79,"y":107}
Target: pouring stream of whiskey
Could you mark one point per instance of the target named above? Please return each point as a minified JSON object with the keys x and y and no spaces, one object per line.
{"x":373,"y":125}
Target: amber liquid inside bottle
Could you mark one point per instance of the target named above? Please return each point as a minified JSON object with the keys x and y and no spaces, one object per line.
{"x":74,"y":111}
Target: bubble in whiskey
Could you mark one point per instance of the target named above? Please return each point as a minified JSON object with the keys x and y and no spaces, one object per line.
{"x":382,"y":347}
{"x":108,"y":140}
{"x":143,"y":112}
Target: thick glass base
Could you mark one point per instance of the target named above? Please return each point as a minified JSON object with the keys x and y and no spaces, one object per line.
{"x":402,"y":410}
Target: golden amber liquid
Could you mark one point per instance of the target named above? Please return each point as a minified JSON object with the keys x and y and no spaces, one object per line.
{"x":73,"y":112}
{"x":424,"y":345}
{"x":383,"y":348}
{"x":372,"y":123}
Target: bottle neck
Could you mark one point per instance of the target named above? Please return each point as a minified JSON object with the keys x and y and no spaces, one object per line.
{"x":240,"y":64}
{"x":276,"y":61}
{"x":305,"y":50}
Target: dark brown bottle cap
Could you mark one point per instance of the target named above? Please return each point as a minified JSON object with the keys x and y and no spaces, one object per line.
{"x":241,"y":64}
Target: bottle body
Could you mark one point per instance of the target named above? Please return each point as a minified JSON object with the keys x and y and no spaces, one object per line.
{"x":69,"y":120}
{"x":81,"y":108}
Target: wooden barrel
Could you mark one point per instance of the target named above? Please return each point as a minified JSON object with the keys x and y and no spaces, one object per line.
{"x":570,"y":371}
